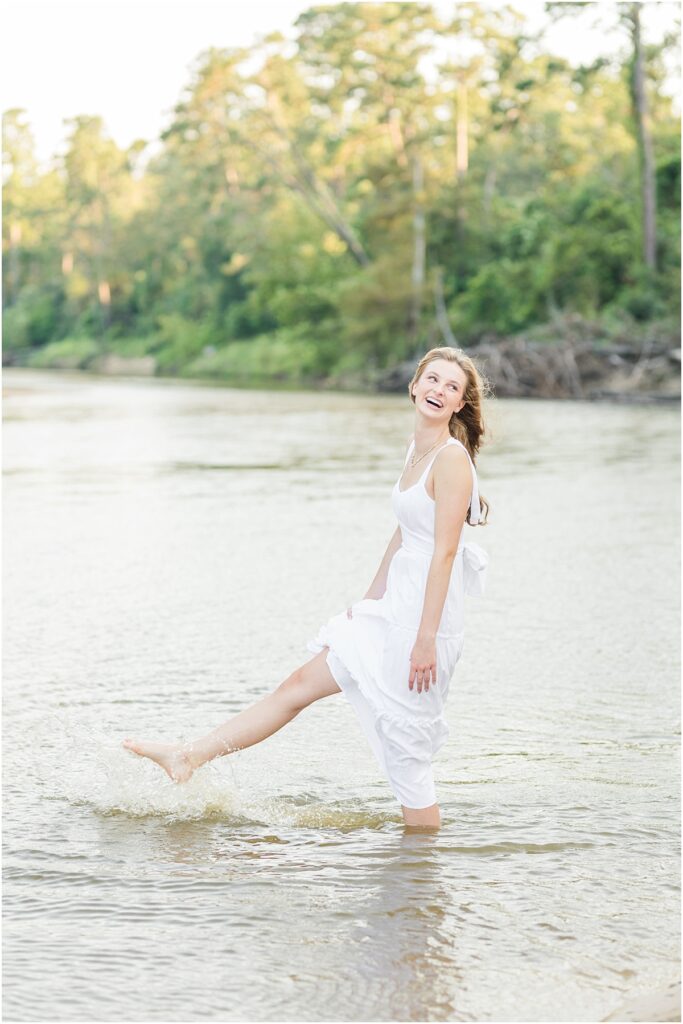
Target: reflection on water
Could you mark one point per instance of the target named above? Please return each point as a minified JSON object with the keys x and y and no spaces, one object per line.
{"x":169,"y":549}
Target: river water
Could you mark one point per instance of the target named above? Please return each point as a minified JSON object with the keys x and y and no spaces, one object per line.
{"x":169,"y":550}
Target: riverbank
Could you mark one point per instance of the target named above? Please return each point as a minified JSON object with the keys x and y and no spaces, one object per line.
{"x":525,"y":369}
{"x":574,"y":358}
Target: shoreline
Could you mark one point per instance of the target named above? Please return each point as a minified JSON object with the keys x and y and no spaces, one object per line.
{"x":573,"y":357}
{"x":571,"y":367}
{"x":396,"y":383}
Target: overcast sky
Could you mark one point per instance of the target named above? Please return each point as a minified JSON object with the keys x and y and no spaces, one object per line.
{"x":129,"y":60}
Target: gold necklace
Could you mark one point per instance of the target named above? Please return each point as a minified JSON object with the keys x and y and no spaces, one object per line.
{"x":414,"y":461}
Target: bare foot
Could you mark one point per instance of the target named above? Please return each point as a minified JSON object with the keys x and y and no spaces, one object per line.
{"x":170,"y":756}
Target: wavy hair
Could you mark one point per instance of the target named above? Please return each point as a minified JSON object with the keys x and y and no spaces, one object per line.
{"x":466,"y":426}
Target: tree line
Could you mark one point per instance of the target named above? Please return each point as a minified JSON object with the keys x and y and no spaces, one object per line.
{"x":387,"y":180}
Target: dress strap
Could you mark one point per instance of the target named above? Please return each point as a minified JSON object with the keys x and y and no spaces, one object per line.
{"x":410,"y":449}
{"x":475,"y":506}
{"x":431,"y":461}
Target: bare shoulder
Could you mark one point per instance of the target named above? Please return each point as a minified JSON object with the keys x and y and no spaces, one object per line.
{"x":453,"y":456}
{"x":452,"y":467}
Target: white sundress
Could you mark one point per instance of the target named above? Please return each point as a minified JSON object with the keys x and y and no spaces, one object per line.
{"x":369,"y":654}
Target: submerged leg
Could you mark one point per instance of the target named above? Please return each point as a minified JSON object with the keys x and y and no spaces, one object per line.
{"x":305,"y":685}
{"x":426,"y":817}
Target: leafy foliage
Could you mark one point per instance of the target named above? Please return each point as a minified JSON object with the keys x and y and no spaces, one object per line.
{"x":314,"y":205}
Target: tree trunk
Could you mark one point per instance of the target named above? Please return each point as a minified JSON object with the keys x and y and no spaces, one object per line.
{"x":305,"y":181}
{"x":461,"y":132}
{"x":441,"y":311}
{"x":644,"y":135}
{"x":489,"y":187}
{"x":419,"y":247}
{"x":14,"y":269}
{"x":396,"y":133}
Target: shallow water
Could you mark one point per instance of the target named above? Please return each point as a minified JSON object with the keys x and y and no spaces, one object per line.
{"x":169,"y":550}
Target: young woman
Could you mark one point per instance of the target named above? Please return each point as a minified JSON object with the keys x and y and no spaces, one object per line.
{"x":394,"y":652}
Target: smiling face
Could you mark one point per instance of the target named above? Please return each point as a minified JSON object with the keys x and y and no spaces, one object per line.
{"x":440,"y":390}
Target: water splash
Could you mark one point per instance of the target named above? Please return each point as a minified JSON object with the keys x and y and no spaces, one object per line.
{"x":134,"y":786}
{"x":127,"y":784}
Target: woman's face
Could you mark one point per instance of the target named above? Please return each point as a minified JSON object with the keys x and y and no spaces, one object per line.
{"x":440,"y":390}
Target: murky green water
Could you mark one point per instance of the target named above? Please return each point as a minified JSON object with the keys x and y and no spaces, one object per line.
{"x":169,"y":549}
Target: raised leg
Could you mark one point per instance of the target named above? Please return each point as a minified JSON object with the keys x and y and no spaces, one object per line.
{"x":306,"y":684}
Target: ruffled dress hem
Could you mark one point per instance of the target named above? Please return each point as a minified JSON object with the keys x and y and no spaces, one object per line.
{"x":403,"y":744}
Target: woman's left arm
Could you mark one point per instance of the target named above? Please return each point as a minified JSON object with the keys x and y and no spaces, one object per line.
{"x":452,"y":492}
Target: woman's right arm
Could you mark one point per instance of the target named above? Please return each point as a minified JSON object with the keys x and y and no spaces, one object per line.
{"x":379,"y":584}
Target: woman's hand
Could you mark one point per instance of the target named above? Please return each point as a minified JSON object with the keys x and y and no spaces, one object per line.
{"x":349,"y":613}
{"x":422,"y":664}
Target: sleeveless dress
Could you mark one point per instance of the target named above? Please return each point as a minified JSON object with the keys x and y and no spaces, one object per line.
{"x":369,"y":654}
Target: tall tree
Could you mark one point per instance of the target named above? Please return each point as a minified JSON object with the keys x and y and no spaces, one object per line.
{"x":97,"y":180}
{"x":19,"y":177}
{"x":631,"y":15}
{"x":628,"y":17}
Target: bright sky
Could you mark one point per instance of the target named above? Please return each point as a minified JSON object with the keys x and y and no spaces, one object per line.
{"x":130,"y":61}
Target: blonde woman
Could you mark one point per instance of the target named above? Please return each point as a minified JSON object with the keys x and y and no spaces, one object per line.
{"x":392,"y":653}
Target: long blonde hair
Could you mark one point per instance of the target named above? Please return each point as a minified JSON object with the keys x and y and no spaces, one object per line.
{"x":466,"y":426}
